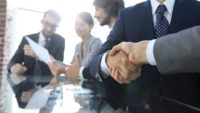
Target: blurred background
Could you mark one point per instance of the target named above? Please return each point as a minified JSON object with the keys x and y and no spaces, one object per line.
{"x":25,"y":15}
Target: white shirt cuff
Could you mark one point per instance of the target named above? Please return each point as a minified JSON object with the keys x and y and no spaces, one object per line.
{"x":149,"y":53}
{"x":81,"y":72}
{"x":104,"y":67}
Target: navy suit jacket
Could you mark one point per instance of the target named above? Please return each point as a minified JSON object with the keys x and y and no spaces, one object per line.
{"x":135,"y":24}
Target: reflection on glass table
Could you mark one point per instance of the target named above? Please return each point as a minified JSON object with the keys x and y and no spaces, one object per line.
{"x":87,"y":96}
{"x":66,"y":96}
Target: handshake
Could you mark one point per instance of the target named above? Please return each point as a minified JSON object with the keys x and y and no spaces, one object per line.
{"x":125,"y":61}
{"x":72,"y":70}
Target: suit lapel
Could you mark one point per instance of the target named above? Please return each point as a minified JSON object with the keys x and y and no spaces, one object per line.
{"x":177,"y":16}
{"x":35,"y":38}
{"x":50,"y":43}
{"x":148,"y":27}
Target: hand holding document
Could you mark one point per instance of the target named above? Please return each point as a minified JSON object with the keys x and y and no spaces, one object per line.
{"x":29,"y":51}
{"x":41,"y":53}
{"x":57,"y":67}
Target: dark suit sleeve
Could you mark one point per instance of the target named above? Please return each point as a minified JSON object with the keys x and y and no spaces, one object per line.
{"x":179,"y":52}
{"x":115,"y":37}
{"x":114,"y":90}
{"x":18,"y":56}
{"x":60,"y":50}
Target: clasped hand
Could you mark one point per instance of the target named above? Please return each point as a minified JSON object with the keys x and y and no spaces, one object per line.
{"x":125,"y":60}
{"x":72,"y":71}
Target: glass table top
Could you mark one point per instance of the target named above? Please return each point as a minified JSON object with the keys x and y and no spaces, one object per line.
{"x":64,"y":95}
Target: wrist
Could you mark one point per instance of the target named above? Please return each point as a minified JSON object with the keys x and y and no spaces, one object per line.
{"x":142,"y":58}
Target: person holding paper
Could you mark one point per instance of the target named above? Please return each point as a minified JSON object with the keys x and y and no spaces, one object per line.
{"x":25,"y":67}
{"x":85,"y":50}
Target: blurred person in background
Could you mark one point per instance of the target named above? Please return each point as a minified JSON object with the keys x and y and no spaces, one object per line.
{"x":26,"y":71}
{"x":84,"y":51}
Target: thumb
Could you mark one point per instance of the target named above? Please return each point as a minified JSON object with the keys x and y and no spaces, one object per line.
{"x":115,"y":50}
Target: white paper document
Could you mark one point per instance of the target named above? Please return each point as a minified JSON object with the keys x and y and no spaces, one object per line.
{"x":39,"y":99}
{"x":41,"y":52}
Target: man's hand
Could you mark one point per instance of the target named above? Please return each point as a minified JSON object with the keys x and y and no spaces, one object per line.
{"x":26,"y":95}
{"x":121,"y":69}
{"x":17,"y":72}
{"x":18,"y":69}
{"x":56,"y":68}
{"x":28,"y":51}
{"x":137,"y":56}
{"x":73,"y":69}
{"x":135,"y":51}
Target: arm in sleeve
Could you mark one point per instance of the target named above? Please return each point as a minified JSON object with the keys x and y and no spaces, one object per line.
{"x":60,"y":51}
{"x":18,"y":56}
{"x":94,"y":47}
{"x":115,"y":37}
{"x":179,"y":52}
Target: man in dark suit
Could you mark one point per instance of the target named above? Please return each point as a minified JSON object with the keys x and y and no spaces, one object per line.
{"x":135,"y":24}
{"x":25,"y":66}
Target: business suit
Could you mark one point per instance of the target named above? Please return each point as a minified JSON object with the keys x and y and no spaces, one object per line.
{"x":178,"y":52}
{"x":55,"y":46}
{"x":135,"y":24}
{"x":93,"y":47}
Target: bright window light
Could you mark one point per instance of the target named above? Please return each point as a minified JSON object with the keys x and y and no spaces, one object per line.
{"x":27,"y":15}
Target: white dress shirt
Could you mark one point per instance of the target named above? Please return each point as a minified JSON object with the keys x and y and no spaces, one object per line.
{"x":168,"y":14}
{"x":42,"y":39}
{"x":150,"y":56}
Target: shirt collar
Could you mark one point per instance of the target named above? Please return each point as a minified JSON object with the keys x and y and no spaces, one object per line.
{"x":41,"y":37}
{"x":168,"y":3}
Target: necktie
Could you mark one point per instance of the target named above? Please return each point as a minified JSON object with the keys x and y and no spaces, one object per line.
{"x":162,"y":24}
{"x":46,"y":43}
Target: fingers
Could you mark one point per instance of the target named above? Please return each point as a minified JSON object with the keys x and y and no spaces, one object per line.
{"x":72,"y":71}
{"x":28,"y":51}
{"x":126,"y":72}
{"x":18,"y":69}
{"x":115,"y":50}
{"x":119,"y":78}
{"x":115,"y":75}
{"x":124,"y":46}
{"x":56,"y":68}
{"x":135,"y":51}
{"x":26,"y":96}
